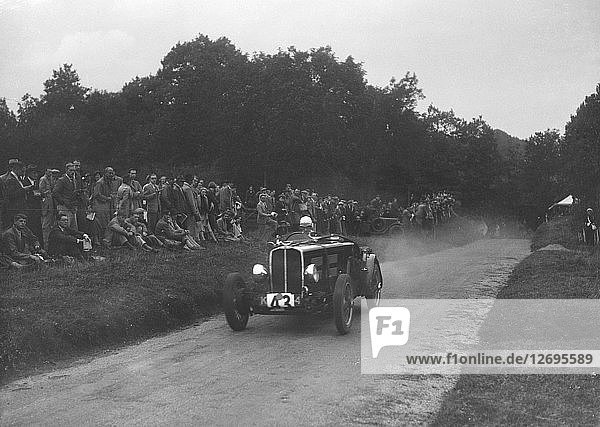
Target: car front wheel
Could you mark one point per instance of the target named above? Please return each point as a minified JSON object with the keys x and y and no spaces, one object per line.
{"x":343,"y":307}
{"x":375,"y":285}
{"x":234,"y":306}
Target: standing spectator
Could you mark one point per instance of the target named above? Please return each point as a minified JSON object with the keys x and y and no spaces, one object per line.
{"x":191,"y":212}
{"x":46,"y":185}
{"x":15,"y":191}
{"x":103,"y":196}
{"x":125,"y":198}
{"x":151,"y":194}
{"x":294,"y":203}
{"x":204,"y":208}
{"x":590,"y":228}
{"x":304,"y":204}
{"x":213,"y":197}
{"x":167,"y":196}
{"x":225,"y":197}
{"x":82,"y":192}
{"x":180,"y":207}
{"x":136,"y":188}
{"x":65,"y":195}
{"x":250,"y":197}
{"x":34,"y":201}
{"x":162,"y":182}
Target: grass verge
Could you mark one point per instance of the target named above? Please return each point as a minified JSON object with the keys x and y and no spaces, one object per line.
{"x":59,"y":312}
{"x":536,"y":399}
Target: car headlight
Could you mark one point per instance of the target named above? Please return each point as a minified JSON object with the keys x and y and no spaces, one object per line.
{"x":259,"y":272}
{"x":311,"y":273}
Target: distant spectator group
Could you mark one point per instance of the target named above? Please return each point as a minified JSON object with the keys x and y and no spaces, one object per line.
{"x":331,"y":214}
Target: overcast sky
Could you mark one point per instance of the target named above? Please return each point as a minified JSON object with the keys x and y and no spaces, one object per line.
{"x":525,"y":66}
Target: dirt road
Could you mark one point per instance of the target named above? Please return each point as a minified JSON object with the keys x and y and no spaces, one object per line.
{"x":282,"y":370}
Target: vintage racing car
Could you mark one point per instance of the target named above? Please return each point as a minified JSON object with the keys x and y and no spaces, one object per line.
{"x":313,"y":274}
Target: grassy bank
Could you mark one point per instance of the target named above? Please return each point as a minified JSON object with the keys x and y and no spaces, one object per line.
{"x":562,"y":230}
{"x":536,"y":399}
{"x":58,"y":312}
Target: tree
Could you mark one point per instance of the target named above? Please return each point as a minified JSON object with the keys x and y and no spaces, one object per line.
{"x":540,"y":181}
{"x":8,"y":124}
{"x":581,"y":151}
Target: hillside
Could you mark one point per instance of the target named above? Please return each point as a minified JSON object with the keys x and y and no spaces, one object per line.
{"x":507,"y":143}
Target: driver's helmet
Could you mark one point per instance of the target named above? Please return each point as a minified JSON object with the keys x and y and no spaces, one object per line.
{"x":306,"y":222}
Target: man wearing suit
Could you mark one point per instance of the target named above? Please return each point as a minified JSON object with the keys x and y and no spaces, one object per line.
{"x":15,"y":192}
{"x":66,"y":195}
{"x":65,"y":241}
{"x":193,"y":214}
{"x":151,"y":194}
{"x":46,"y":185}
{"x":19,"y":243}
{"x":225,"y":197}
{"x":104,"y":196}
{"x":167,"y":196}
{"x":136,"y":187}
{"x":181,"y":207}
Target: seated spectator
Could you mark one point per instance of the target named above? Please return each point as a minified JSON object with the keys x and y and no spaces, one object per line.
{"x":265,"y":219}
{"x":119,"y":233}
{"x":172,"y":235}
{"x":143,"y":238}
{"x":65,"y":241}
{"x":228,"y":226}
{"x":19,"y":243}
{"x":7,"y":263}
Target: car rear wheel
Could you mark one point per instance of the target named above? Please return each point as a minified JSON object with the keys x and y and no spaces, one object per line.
{"x":375,"y":285}
{"x":236,"y":309}
{"x":343,"y":307}
{"x":378,"y":226}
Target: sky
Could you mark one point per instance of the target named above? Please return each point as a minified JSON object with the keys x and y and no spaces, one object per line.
{"x":524,"y":66}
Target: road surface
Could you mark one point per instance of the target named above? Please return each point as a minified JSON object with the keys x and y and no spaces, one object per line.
{"x":281,"y":370}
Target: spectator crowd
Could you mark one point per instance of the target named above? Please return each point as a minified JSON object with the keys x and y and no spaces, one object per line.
{"x":64,"y":215}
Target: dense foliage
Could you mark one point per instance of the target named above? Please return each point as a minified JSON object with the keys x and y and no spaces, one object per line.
{"x":293,"y":116}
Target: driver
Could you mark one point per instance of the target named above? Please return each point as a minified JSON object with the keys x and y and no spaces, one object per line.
{"x":306,"y":230}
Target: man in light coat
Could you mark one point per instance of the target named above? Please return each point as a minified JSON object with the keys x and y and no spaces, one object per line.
{"x":151,"y":194}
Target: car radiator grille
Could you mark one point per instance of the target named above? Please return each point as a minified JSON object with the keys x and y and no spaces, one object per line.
{"x":286,"y":261}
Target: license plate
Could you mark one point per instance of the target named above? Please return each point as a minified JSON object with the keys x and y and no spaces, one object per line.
{"x":280,"y":300}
